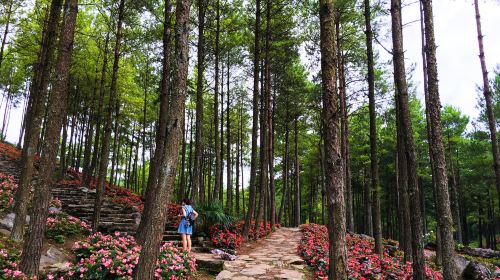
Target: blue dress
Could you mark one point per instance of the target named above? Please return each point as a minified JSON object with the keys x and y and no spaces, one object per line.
{"x":184,"y":226}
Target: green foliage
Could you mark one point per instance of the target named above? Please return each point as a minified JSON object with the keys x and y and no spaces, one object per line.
{"x":212,"y":213}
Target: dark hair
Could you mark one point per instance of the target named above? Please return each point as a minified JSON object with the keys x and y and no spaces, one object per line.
{"x":186,"y":201}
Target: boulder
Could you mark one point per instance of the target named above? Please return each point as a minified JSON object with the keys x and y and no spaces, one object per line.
{"x":461,"y":263}
{"x":483,"y":253}
{"x":53,"y":259}
{"x":476,"y":271}
{"x":8,"y":221}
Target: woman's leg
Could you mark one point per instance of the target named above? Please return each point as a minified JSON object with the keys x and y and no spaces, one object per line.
{"x":188,"y":242}
{"x":184,"y":242}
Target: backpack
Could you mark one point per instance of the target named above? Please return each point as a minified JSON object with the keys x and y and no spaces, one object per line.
{"x":190,"y":217}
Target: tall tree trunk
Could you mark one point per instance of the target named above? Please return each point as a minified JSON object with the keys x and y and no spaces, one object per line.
{"x":218,"y":160}
{"x":263,"y":153}
{"x":237,"y":159}
{"x":87,"y":176}
{"x":375,"y":187}
{"x":32,"y":249}
{"x":407,"y":132}
{"x":175,"y":122}
{"x":114,"y":158}
{"x":90,"y":134}
{"x":144,"y":125}
{"x":297,"y":173}
{"x":198,"y":158}
{"x":6,"y":30}
{"x":255,"y":123}
{"x":454,"y":195}
{"x":344,"y":128}
{"x":488,"y":97}
{"x":103,"y":164}
{"x":368,"y":205}
{"x":272,"y":187}
{"x":438,"y":153}
{"x":155,"y":162}
{"x":34,"y":120}
{"x":182,"y":184}
{"x":284,"y":187}
{"x":221,"y":130}
{"x":331,"y":121}
{"x":229,"y":166}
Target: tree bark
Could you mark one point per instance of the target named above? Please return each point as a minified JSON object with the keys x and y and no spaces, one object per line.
{"x":87,"y":176}
{"x":334,"y":166}
{"x":297,"y":174}
{"x":375,"y":187}
{"x":218,"y":161}
{"x":255,"y":123}
{"x":32,"y":249}
{"x":285,"y":171}
{"x":155,"y":163}
{"x":438,"y":153}
{"x":175,"y":122}
{"x":104,"y":153}
{"x":6,"y":31}
{"x":229,"y":167}
{"x":488,"y":97}
{"x":409,"y":146}
{"x":198,"y":157}
{"x":34,"y":120}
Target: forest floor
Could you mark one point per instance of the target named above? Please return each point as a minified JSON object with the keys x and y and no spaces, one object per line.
{"x":274,"y":257}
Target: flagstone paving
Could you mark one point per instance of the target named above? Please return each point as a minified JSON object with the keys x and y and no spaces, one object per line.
{"x":273,"y":258}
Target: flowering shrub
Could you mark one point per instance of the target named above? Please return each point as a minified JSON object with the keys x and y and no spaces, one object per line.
{"x":10,"y":151}
{"x":223,"y":238}
{"x":7,"y":190}
{"x":9,"y":266}
{"x":115,"y":257}
{"x":174,"y":264}
{"x":363,"y":263}
{"x":61,"y":225}
{"x":232,"y":237}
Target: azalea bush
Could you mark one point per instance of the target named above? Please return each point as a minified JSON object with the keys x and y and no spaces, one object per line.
{"x":9,"y":264}
{"x":7,"y":190}
{"x":363,"y":263}
{"x":61,"y":225}
{"x":174,"y":263}
{"x":223,"y":238}
{"x":232,"y":236}
{"x":10,"y":151}
{"x":115,"y":257}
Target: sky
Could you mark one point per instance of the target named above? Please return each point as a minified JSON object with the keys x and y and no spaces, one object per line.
{"x":459,"y":68}
{"x":457,"y":53}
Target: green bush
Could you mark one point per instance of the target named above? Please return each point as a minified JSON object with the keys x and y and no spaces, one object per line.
{"x":212,"y":213}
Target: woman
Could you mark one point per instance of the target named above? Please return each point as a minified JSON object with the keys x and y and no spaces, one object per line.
{"x":185,"y":227}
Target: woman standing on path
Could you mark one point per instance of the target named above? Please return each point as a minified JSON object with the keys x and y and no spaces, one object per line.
{"x":185,"y":226}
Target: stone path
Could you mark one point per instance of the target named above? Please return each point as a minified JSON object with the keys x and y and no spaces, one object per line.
{"x":273,"y":258}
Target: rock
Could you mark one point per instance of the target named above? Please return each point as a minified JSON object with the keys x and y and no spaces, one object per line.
{"x":483,"y":253}
{"x":4,"y":232}
{"x":476,"y":271}
{"x":461,"y":263}
{"x":253,"y":271}
{"x":54,"y":210}
{"x":52,"y":257}
{"x":8,"y":221}
{"x":223,"y":275}
{"x":290,"y":274}
{"x":137,"y":217}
